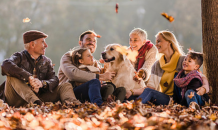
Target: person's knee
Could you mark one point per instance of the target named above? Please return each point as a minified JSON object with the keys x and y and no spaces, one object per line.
{"x":121,"y":90}
{"x":148,"y":89}
{"x":188,"y":92}
{"x":95,"y":81}
{"x":109,"y":87}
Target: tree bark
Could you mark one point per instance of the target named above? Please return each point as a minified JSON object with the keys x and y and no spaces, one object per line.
{"x":209,"y":15}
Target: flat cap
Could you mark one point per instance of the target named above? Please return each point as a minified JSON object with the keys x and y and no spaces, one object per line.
{"x":32,"y":35}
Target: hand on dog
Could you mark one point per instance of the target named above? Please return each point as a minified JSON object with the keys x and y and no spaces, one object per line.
{"x":107,"y":76}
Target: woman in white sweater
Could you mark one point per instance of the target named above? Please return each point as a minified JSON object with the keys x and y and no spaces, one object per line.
{"x":147,"y":55}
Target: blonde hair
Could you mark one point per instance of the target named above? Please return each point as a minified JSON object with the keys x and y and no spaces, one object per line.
{"x":140,"y":32}
{"x":169,"y":36}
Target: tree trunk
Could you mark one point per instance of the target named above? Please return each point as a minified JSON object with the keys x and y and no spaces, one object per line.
{"x":209,"y":15}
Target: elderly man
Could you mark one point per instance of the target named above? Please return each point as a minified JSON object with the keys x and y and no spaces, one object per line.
{"x":31,"y":77}
{"x":69,"y":72}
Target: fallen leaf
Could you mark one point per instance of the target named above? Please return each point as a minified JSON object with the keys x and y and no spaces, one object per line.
{"x":213,"y":117}
{"x":191,"y":95}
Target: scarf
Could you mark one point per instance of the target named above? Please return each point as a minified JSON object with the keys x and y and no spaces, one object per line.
{"x":166,"y":82}
{"x":183,"y":82}
{"x":141,"y":54}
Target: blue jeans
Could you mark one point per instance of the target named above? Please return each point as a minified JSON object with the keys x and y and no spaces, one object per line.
{"x":196,"y":98}
{"x":89,"y":91}
{"x":154,"y":96}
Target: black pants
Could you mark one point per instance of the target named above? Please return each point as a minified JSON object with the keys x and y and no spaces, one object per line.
{"x":110,"y":89}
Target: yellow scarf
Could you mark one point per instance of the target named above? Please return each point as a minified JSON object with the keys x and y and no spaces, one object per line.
{"x":166,"y":82}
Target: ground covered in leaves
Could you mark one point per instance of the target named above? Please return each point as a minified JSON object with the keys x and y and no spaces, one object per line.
{"x":111,"y":116}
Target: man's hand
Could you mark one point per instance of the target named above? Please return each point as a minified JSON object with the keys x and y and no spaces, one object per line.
{"x":201,"y":91}
{"x":35,"y":83}
{"x":107,"y":76}
{"x":128,"y":94}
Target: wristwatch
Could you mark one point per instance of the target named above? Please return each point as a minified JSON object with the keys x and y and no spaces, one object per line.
{"x":44,"y":83}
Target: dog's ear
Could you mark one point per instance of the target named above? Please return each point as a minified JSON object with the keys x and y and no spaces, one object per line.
{"x":121,"y":58}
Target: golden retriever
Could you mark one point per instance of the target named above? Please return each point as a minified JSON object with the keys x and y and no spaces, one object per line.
{"x":122,"y":66}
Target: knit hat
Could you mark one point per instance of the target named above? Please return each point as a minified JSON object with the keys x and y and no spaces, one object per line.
{"x":33,"y":35}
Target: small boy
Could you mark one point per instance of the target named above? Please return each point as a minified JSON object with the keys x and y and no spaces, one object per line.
{"x":189,"y":79}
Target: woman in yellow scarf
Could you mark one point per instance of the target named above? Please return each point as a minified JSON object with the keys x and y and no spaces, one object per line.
{"x":160,"y":86}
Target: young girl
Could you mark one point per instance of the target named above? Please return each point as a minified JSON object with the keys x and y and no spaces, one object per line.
{"x":189,"y":79}
{"x":88,"y":91}
{"x":83,"y":59}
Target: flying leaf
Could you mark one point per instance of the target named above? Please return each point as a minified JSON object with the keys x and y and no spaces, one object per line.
{"x":132,"y":55}
{"x":122,"y":49}
{"x":190,"y":49}
{"x":98,"y":36}
{"x":169,"y":18}
{"x":116,"y":7}
{"x":26,"y":20}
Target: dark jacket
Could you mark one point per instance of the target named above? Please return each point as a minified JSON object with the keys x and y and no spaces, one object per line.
{"x":20,"y":65}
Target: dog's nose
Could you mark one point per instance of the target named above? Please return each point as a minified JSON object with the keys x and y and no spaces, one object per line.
{"x":103,"y":53}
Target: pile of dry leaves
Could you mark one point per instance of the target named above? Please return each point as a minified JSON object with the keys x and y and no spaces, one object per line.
{"x":113,"y":116}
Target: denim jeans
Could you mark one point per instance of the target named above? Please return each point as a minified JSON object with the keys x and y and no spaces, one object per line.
{"x":154,"y":96}
{"x":89,"y":91}
{"x":196,"y":98}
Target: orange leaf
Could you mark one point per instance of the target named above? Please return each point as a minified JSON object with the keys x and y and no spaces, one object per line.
{"x":169,"y":18}
{"x":132,"y":55}
{"x":26,"y":20}
{"x":98,"y":36}
{"x":190,"y":49}
{"x":116,"y":7}
{"x":122,"y":49}
{"x":191,"y":95}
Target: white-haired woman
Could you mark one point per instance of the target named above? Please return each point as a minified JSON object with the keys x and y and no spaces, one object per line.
{"x":160,"y":85}
{"x":147,"y":55}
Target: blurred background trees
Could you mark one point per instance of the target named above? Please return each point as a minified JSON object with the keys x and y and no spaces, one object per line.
{"x":65,"y":20}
